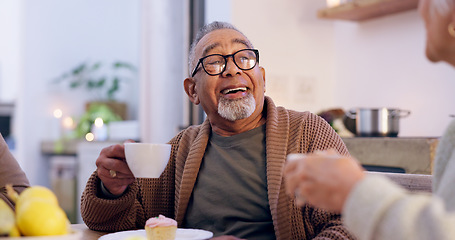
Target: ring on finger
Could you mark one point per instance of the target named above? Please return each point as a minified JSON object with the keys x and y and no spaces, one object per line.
{"x":113,"y":173}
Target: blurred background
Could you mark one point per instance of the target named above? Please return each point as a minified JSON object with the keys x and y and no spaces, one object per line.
{"x":63,"y":62}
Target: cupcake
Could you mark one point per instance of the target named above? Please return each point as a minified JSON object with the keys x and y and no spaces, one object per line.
{"x":161,"y":228}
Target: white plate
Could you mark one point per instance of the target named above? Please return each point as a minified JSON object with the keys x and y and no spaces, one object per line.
{"x":182,"y":234}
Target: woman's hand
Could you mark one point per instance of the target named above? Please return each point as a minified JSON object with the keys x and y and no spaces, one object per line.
{"x":323,"y":179}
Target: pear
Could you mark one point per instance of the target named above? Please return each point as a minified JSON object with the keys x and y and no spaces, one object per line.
{"x":11,"y":193}
{"x":39,"y":214}
{"x":41,"y":217}
{"x":7,"y":220}
{"x":35,"y":192}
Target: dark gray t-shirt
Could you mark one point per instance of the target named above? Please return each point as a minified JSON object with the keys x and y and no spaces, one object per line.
{"x":230,"y":194}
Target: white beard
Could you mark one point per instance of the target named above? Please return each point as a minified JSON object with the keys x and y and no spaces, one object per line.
{"x":235,"y":109}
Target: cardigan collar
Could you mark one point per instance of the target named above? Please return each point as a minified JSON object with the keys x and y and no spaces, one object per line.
{"x":277,"y":131}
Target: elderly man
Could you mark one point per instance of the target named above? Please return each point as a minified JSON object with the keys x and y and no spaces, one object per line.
{"x":224,"y":175}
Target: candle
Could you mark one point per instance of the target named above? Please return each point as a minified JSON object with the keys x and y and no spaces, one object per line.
{"x":99,"y":130}
{"x":68,"y":126}
{"x":333,"y":3}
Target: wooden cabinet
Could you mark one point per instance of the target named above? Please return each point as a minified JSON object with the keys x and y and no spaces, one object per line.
{"x":359,"y":10}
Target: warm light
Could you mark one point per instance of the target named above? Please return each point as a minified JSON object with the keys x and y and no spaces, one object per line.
{"x":333,"y":3}
{"x":89,"y":137}
{"x":68,"y":122}
{"x":99,"y":122}
{"x":58,"y":113}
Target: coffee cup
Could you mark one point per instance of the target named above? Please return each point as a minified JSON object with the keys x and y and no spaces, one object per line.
{"x":147,"y":160}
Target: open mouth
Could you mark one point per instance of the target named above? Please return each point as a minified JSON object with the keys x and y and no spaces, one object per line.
{"x":234,"y":90}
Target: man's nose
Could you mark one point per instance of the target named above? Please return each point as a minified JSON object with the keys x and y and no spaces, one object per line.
{"x":231,"y":68}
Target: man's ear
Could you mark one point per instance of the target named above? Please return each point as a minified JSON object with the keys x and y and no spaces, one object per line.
{"x":190,"y":88}
{"x":263,"y":75}
{"x":452,"y":20}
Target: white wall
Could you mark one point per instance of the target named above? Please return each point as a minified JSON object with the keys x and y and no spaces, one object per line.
{"x":315,"y":64}
{"x":10,"y":48}
{"x":58,"y":35}
{"x":382,"y":63}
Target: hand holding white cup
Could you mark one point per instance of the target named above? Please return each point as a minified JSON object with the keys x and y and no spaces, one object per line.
{"x":147,"y":160}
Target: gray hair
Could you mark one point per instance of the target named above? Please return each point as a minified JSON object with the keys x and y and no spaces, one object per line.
{"x":442,"y":7}
{"x":204,"y":31}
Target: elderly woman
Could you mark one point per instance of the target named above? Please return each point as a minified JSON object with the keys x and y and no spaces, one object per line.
{"x":10,"y":173}
{"x":373,"y":207}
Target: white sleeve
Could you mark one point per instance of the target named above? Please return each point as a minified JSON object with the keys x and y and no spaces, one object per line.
{"x":377,"y":208}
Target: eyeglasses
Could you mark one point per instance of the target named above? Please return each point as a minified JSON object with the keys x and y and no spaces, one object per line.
{"x":215,"y":64}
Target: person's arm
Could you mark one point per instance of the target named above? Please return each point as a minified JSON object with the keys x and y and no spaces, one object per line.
{"x":130,"y":208}
{"x":102,"y":214}
{"x":373,"y":207}
{"x":10,"y":173}
{"x":378,"y":208}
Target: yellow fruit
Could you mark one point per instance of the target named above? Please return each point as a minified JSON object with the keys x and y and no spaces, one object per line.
{"x":11,"y":193}
{"x":7,"y":218}
{"x":15,"y":232}
{"x":35,"y":192}
{"x":40,"y":217}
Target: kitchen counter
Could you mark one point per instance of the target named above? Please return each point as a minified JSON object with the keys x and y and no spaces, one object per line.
{"x":413,"y":155}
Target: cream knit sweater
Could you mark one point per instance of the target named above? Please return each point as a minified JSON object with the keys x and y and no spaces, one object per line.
{"x":286,"y":132}
{"x":379,"y":209}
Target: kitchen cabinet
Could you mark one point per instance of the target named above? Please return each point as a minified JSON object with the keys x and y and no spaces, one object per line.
{"x":359,"y":10}
{"x":411,"y":154}
{"x":72,"y":163}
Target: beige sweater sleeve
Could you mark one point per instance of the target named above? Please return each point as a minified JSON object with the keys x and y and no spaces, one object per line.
{"x":379,"y":209}
{"x":10,"y":172}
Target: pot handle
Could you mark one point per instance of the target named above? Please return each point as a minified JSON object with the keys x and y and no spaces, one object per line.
{"x":351,"y":114}
{"x":401,"y":113}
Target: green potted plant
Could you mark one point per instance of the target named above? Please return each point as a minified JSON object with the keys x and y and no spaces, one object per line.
{"x":102,"y":81}
{"x":95,"y":110}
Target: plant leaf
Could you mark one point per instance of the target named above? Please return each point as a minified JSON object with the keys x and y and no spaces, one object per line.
{"x":101,"y":82}
{"x":114,"y":88}
{"x":75,"y":84}
{"x":91,"y":84}
{"x":79,"y":69}
{"x":96,"y":66}
{"x":120,"y":64}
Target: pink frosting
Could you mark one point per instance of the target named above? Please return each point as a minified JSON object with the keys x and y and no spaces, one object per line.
{"x":160,"y":221}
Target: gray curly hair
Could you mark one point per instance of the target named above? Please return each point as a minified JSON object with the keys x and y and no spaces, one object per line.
{"x":204,"y":31}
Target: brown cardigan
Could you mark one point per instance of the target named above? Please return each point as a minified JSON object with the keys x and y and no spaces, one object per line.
{"x":10,"y":172}
{"x":286,"y":132}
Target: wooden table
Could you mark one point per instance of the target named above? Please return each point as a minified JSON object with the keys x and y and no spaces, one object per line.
{"x":87,"y":234}
{"x":83,"y":234}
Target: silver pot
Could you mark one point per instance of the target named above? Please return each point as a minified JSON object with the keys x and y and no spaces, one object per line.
{"x":375,"y":122}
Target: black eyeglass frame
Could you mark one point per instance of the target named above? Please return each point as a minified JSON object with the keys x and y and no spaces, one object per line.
{"x":225,"y":61}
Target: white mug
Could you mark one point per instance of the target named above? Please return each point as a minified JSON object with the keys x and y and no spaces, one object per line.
{"x":147,"y":160}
